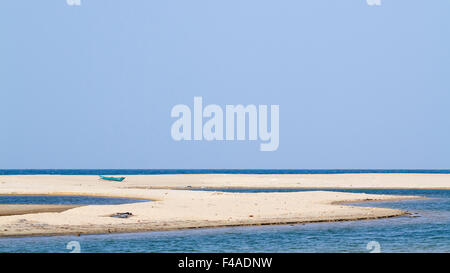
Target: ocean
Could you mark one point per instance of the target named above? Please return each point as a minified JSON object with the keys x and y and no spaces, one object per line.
{"x":204,"y":171}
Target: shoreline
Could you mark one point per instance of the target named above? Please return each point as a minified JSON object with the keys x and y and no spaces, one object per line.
{"x":255,"y":181}
{"x":274,"y":223}
{"x":171,"y":209}
{"x":220,"y":224}
{"x":293,"y":188}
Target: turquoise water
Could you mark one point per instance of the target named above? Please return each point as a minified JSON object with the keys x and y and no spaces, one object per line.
{"x":428,"y":232}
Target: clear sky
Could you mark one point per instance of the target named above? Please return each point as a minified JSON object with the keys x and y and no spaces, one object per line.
{"x":92,"y":86}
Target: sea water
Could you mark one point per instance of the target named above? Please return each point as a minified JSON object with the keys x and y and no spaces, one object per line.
{"x":204,"y":171}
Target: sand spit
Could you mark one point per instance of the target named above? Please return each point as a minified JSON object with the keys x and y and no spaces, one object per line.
{"x":176,"y":209}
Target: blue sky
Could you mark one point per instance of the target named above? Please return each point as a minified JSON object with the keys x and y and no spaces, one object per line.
{"x":93,"y":86}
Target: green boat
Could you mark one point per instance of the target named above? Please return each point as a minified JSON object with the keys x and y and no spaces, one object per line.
{"x":112,"y":178}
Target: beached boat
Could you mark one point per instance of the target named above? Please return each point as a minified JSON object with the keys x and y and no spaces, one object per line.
{"x":111,"y":178}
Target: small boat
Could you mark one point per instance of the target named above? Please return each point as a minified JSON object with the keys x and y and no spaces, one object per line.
{"x":112,"y":178}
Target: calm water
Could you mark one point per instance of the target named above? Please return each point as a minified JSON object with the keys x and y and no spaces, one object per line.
{"x":204,"y":171}
{"x":430,"y":232}
{"x":65,"y":200}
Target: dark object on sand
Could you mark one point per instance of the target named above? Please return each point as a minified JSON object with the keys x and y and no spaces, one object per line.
{"x":119,"y":179}
{"x":122,"y":215}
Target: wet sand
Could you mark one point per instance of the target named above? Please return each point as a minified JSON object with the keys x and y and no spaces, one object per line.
{"x":7,"y":210}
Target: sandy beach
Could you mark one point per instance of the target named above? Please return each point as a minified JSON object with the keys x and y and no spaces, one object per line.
{"x":170,"y":209}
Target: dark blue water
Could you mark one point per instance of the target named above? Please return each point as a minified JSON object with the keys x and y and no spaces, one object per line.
{"x":429,"y":232}
{"x":65,"y":200}
{"x":203,"y":171}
